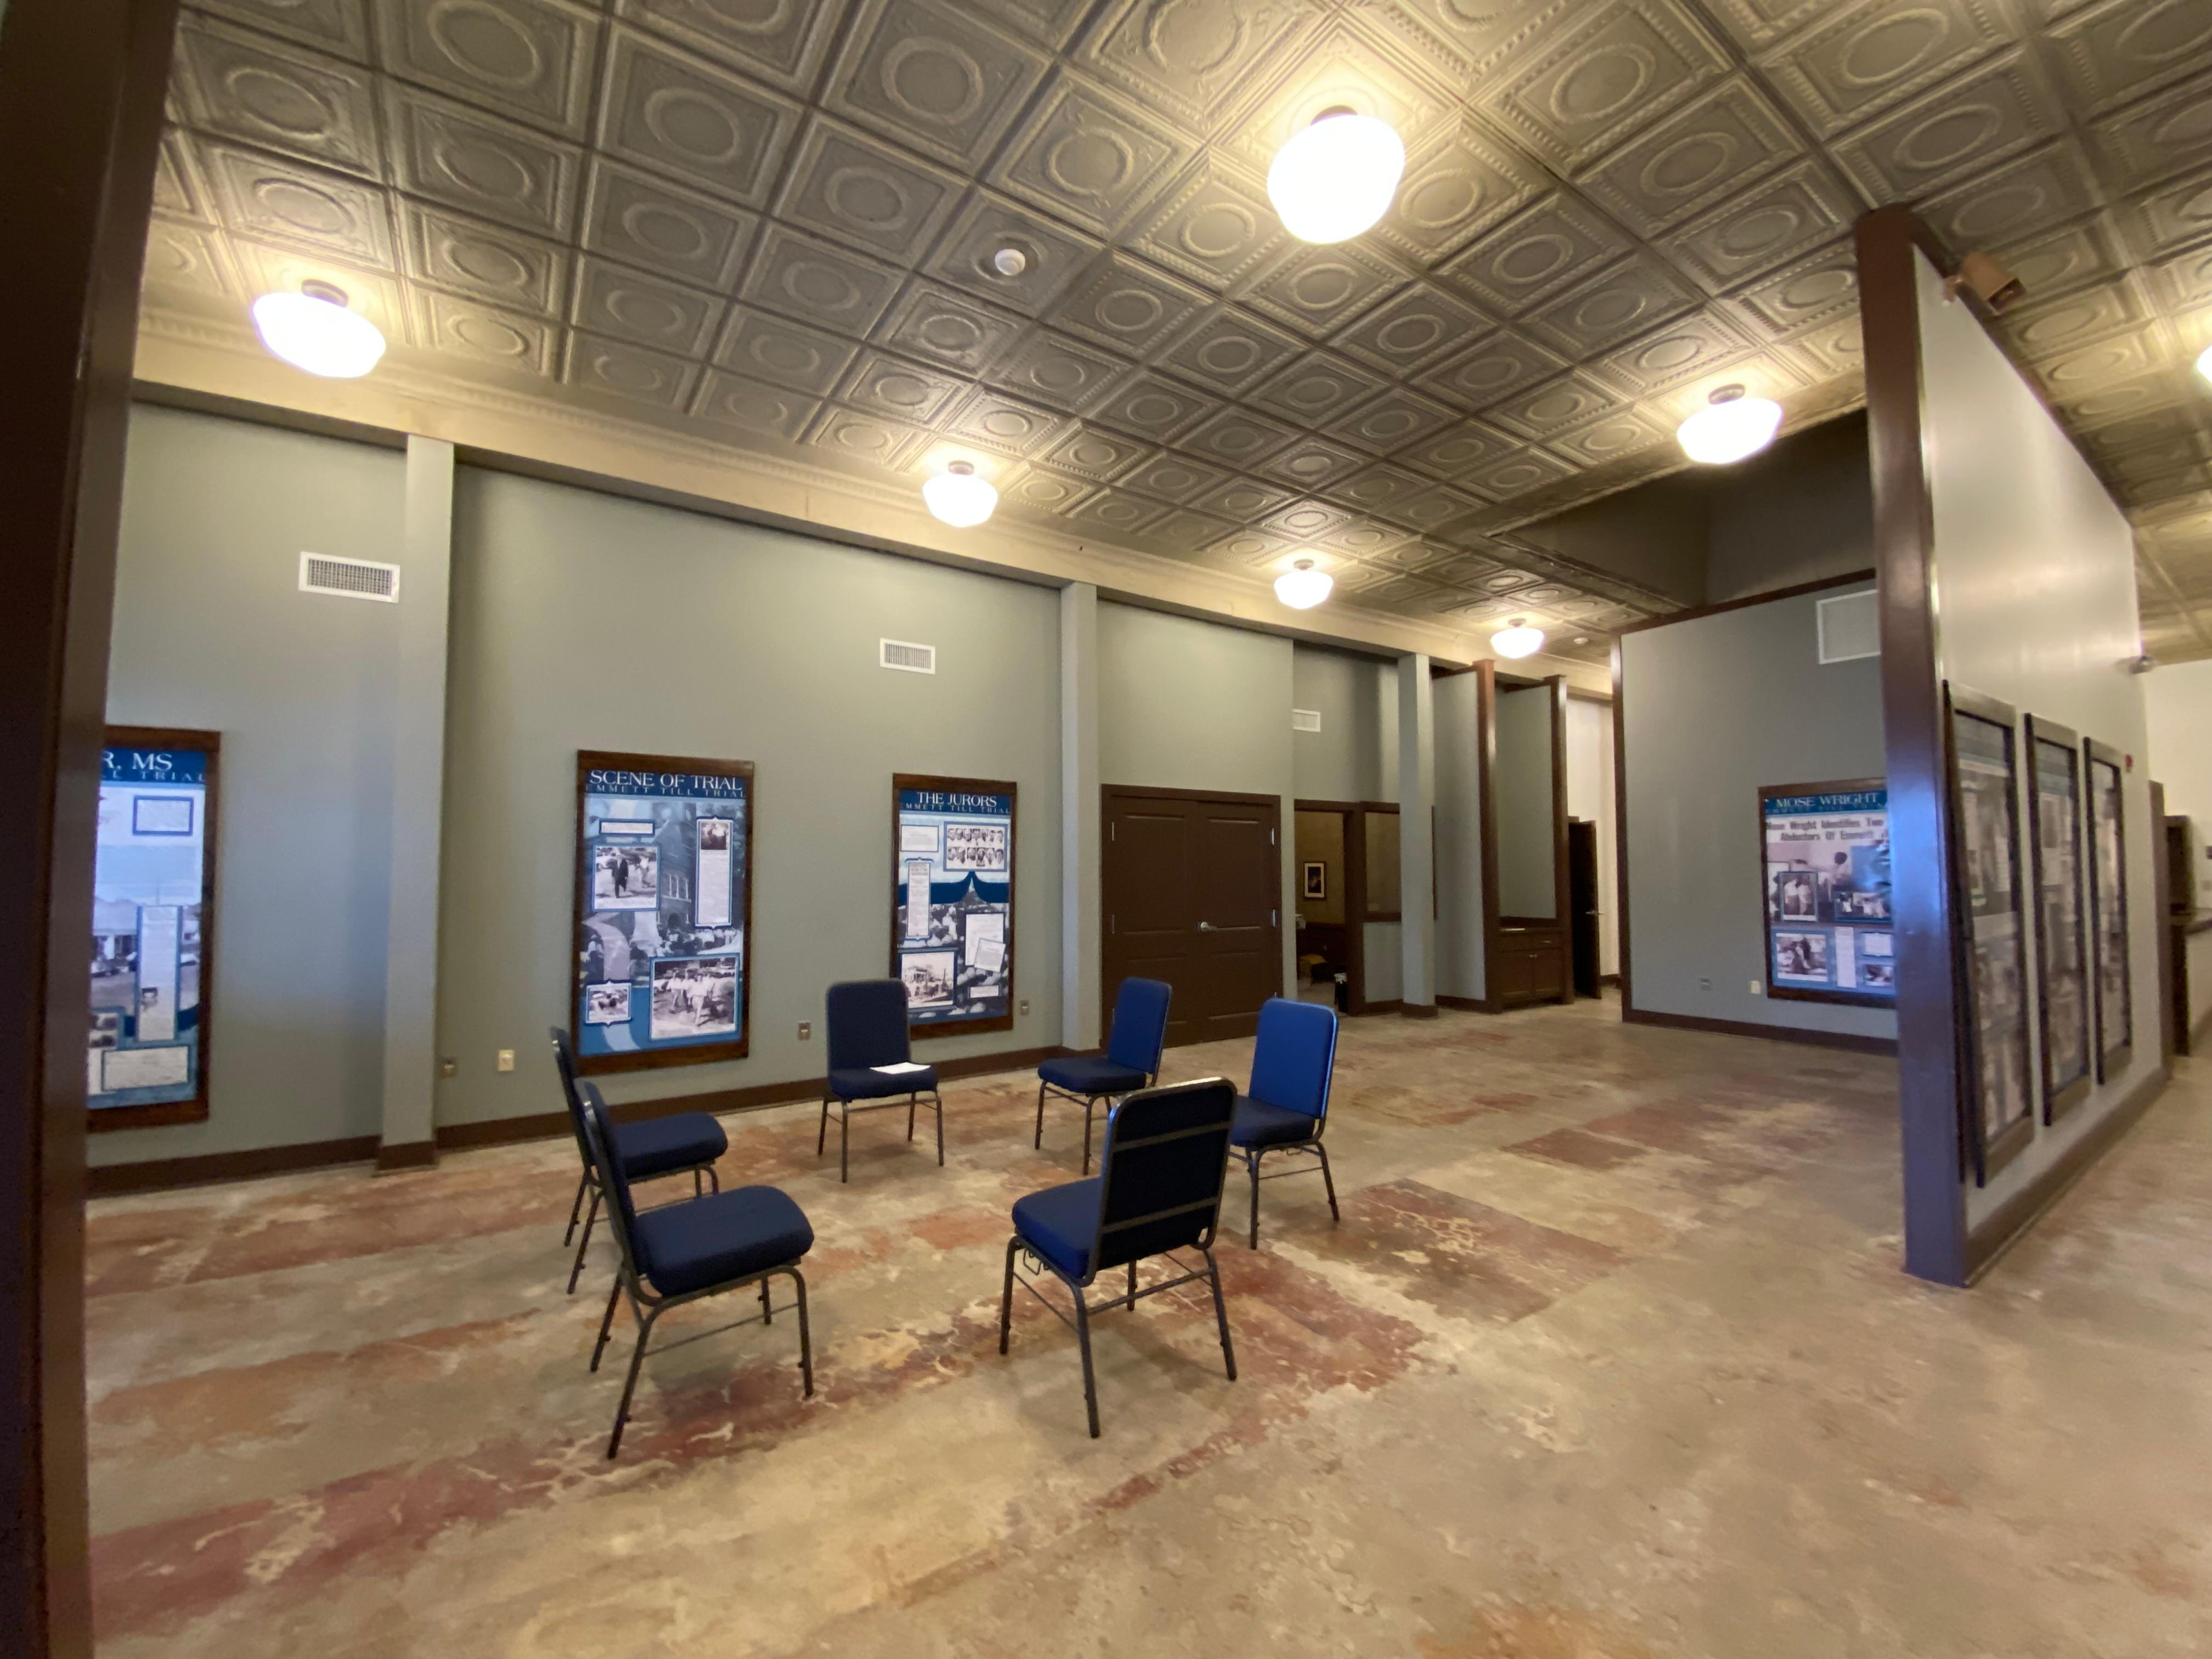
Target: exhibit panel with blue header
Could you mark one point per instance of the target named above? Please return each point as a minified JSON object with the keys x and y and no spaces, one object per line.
{"x":664,"y":911}
{"x":952,"y":902}
{"x":1827,"y":892}
{"x":146,"y":1059}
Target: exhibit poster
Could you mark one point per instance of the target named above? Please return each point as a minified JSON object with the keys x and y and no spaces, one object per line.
{"x":2108,"y":908}
{"x":952,"y":902}
{"x":1986,"y":823}
{"x":152,"y":900}
{"x":664,"y":909}
{"x":2061,"y":934}
{"x":1827,"y":892}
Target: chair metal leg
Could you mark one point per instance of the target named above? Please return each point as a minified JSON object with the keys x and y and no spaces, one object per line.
{"x":713,"y":1179}
{"x":1037,"y":1142}
{"x":805,"y":1341}
{"x":937,"y":1103}
{"x":1089,"y":1102}
{"x":768,"y":1309}
{"x":1006,"y":1293}
{"x":1133,"y":1285}
{"x":1252,"y":1168}
{"x":1089,"y":1380}
{"x":698,"y":1182}
{"x":576,"y":1209}
{"x":584,"y":1244}
{"x":844,"y":1141}
{"x":912,"y":1100}
{"x":1329,"y":1182}
{"x":822,"y":1134}
{"x":1221,"y":1315}
{"x":606,"y":1322}
{"x":629,"y":1388}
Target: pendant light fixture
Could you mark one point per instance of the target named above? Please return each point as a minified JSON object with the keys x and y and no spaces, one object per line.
{"x":1302,"y":587}
{"x":958,"y":497}
{"x":1518,"y":641}
{"x":1730,"y":426}
{"x":1336,"y":178}
{"x":313,"y":329}
{"x":2204,"y":362}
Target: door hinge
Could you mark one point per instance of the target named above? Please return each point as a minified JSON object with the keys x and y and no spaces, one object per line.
{"x":1271,"y":839}
{"x":1113,"y":832}
{"x":1274,"y":918}
{"x":1110,"y":926}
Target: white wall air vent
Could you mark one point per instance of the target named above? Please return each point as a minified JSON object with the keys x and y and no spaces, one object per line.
{"x":1851,"y":628}
{"x":1305,"y":720}
{"x":905,"y":655}
{"x":348,"y":578}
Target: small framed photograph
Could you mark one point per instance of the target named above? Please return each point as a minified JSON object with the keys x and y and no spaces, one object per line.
{"x":1316,"y":886}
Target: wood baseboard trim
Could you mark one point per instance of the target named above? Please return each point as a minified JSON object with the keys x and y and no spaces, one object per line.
{"x":2014,"y":1218}
{"x":412,"y":1155}
{"x":2197,"y":1033}
{"x":1609,"y":979}
{"x":1417,"y":1010}
{"x":1844,"y":1039}
{"x":160,"y":1173}
{"x":1362,"y":1010}
{"x":1466,"y":1005}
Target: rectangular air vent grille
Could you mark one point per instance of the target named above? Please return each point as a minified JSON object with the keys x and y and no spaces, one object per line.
{"x":1851,"y":628}
{"x":348,"y":578}
{"x":1305,"y":720}
{"x":905,"y":655}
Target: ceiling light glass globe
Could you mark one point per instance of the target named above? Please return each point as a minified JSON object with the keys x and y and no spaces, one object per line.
{"x":2204,"y":362}
{"x":1731,"y":428}
{"x":1336,"y":178}
{"x":313,"y":329}
{"x":958,"y":497}
{"x":1518,"y":641}
{"x":1302,"y":587}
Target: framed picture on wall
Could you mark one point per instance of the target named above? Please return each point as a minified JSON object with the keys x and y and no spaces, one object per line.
{"x":2062,"y":921}
{"x":1984,"y":824}
{"x":952,"y":902}
{"x":153,"y":928}
{"x":1316,"y":886}
{"x":1825,"y":858}
{"x":663,"y":887}
{"x":2105,"y":769}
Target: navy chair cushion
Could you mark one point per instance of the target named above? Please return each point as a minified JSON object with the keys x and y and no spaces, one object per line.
{"x":1090,"y":1074}
{"x":1258,"y":1124}
{"x":1059,"y":1223}
{"x":1140,"y":1024}
{"x":865,"y":1083}
{"x":722,"y":1236}
{"x":662,"y":1144}
{"x":866,"y":1024}
{"x":1294,"y":1055}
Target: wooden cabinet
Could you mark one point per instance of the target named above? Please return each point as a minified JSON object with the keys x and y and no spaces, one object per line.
{"x":1531,"y":965}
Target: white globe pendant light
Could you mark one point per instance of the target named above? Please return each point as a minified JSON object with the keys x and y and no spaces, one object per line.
{"x":1518,"y":641}
{"x":1302,"y":587}
{"x":1336,"y":178}
{"x":1731,"y":426}
{"x":958,"y":497}
{"x":313,"y":329}
{"x":2204,"y":362}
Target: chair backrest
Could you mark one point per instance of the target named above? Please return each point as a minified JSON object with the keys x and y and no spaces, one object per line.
{"x":1166,"y":1158}
{"x":564,"y":1062}
{"x":598,"y":1136}
{"x":1295,"y":1056}
{"x":867,"y":1022}
{"x":1140,"y":1025}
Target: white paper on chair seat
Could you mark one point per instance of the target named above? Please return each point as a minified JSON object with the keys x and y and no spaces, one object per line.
{"x":899,"y":1070}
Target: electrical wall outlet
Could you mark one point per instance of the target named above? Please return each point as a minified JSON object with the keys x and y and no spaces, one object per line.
{"x":449,"y":1068}
{"x":1705,"y":985}
{"x":1026,"y":1006}
{"x":806,"y":1030}
{"x":506,"y":1060}
{"x":1757,"y":989}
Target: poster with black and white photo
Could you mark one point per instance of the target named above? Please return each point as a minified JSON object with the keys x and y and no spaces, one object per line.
{"x":663,"y":910}
{"x":153,"y":882}
{"x":952,"y":902}
{"x":1826,"y":865}
{"x":2061,"y":934}
{"x":2108,"y":908}
{"x":1985,"y":825}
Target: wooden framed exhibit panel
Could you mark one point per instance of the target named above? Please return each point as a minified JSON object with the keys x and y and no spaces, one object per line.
{"x":1992,"y":956}
{"x":1524,"y":844}
{"x":153,"y":928}
{"x":1191,"y":891}
{"x":952,"y":902}
{"x":663,"y":893}
{"x":2104,"y":769}
{"x":2062,"y":1009}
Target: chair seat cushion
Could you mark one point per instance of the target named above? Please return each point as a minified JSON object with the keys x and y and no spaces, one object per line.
{"x":659,"y":1145}
{"x":1090,"y":1074}
{"x":1059,"y":1223}
{"x":722,"y":1236}
{"x":1258,"y":1124}
{"x":867,"y":1083}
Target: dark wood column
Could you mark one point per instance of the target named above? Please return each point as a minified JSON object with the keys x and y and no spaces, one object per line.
{"x":80,"y":88}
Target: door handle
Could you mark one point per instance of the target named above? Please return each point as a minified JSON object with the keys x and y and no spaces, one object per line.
{"x":1205,"y":927}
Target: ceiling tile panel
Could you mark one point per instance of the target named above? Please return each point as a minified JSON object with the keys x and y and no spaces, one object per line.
{"x":707,"y":127}
{"x":852,"y":189}
{"x":1088,"y":452}
{"x":1493,"y":368}
{"x":484,"y":261}
{"x":1155,"y":409}
{"x":481,"y":164}
{"x":758,"y":345}
{"x":1461,"y":181}
{"x":506,"y":341}
{"x":1316,"y":290}
{"x":892,"y":386}
{"x":1238,"y":437}
{"x":2124,"y":48}
{"x":1864,"y":57}
{"x":1313,"y":464}
{"x":1302,"y":521}
{"x":627,"y":304}
{"x":530,"y":60}
{"x":1517,"y":474}
{"x":178,"y":190}
{"x":1419,"y":325}
{"x":188,"y":258}
{"x":781,"y":42}
{"x":1244,"y":500}
{"x":619,"y":370}
{"x":934,"y":76}
{"x":1813,"y":290}
{"x":1176,"y":478}
{"x":1213,"y":225}
{"x":1623,"y":432}
{"x":1629,"y":297}
{"x":1042,"y":491}
{"x":1187,"y":57}
{"x":813,"y":282}
{"x":304,"y":207}
{"x":1766,"y":226}
{"x":1061,"y":373}
{"x":2168,"y":132}
{"x":1577,"y":90}
{"x":1088,"y":156}
{"x":332,"y":26}
{"x":1708,"y":150}
{"x":2177,"y":214}
{"x":939,"y":326}
{"x":2062,"y":257}
{"x":1534,"y":255}
{"x":1390,"y":422}
{"x":1051,"y":256}
{"x":754,"y":407}
{"x":244,"y":87}
{"x":1318,"y":385}
{"x":1450,"y":453}
{"x":1007,"y":424}
{"x":2038,"y":190}
{"x":267,"y":268}
{"x":2053,"y":326}
{"x":1556,"y":405}
{"x":858,"y":437}
{"x":1116,"y":512}
{"x":1972,"y":122}
{"x":639,"y":219}
{"x":1122,"y":303}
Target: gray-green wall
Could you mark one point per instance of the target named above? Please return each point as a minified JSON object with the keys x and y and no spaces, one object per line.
{"x":1527,"y":848}
{"x":212,"y":632}
{"x":1354,"y":756}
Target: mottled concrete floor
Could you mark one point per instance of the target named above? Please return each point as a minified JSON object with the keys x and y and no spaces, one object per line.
{"x":1610,"y":1357}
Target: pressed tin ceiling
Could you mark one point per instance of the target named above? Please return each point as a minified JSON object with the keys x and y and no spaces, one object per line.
{"x":770,"y":224}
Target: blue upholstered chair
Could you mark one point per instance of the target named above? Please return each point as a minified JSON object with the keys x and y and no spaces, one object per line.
{"x":865,"y":1023}
{"x":1157,"y":1190}
{"x":683,"y":1142}
{"x":1131,"y":1063}
{"x":1287,"y":1106}
{"x":680,"y":1253}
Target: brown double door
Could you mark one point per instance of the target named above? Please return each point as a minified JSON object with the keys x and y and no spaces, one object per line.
{"x":1192,"y":890}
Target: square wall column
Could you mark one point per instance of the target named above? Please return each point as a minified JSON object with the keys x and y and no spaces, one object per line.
{"x":1080,"y":939}
{"x":1417,"y":793}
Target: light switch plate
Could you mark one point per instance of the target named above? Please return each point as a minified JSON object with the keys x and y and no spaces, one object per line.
{"x":506,"y":1060}
{"x":806,"y":1030}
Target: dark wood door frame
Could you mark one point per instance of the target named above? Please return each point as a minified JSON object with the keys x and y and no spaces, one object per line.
{"x":1495,"y":927}
{"x":1356,"y":913}
{"x":82,"y":84}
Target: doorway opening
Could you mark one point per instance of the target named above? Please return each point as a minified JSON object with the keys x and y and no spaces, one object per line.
{"x":1348,"y":916}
